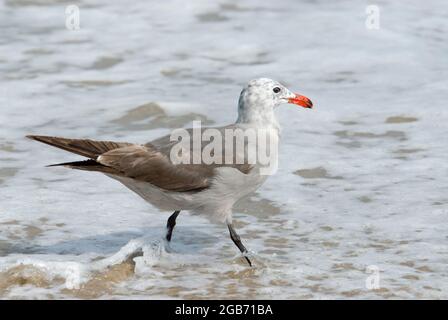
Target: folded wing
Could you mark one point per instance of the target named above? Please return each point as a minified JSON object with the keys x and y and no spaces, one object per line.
{"x":149,"y":163}
{"x":145,"y":163}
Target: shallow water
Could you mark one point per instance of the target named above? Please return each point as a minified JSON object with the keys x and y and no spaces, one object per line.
{"x":362,"y":183}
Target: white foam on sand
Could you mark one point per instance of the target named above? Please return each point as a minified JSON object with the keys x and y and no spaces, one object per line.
{"x":81,"y":269}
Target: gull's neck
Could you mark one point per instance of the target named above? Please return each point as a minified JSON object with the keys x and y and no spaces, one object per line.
{"x":260,"y":116}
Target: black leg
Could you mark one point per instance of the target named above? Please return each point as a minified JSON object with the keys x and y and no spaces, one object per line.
{"x":236,"y":239}
{"x":170,"y":225}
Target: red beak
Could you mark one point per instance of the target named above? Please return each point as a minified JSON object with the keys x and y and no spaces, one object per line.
{"x":301,"y":101}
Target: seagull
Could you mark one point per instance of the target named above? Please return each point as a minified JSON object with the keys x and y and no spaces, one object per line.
{"x":204,"y":188}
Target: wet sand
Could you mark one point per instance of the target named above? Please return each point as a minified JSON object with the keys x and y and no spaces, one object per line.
{"x":362,"y":178}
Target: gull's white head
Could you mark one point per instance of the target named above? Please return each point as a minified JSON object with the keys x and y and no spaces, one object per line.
{"x":261,"y":96}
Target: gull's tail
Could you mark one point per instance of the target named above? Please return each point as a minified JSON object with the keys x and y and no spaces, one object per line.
{"x":84,"y":147}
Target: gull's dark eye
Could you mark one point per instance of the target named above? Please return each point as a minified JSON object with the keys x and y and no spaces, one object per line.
{"x":276,"y":89}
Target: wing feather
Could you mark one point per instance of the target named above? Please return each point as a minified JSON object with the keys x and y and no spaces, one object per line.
{"x":145,"y":163}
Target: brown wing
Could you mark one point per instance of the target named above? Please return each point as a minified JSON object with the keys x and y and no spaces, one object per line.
{"x":149,"y":163}
{"x":142,"y":163}
{"x":145,"y":163}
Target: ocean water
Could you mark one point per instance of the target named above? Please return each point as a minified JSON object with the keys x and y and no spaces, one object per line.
{"x":357,"y":209}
